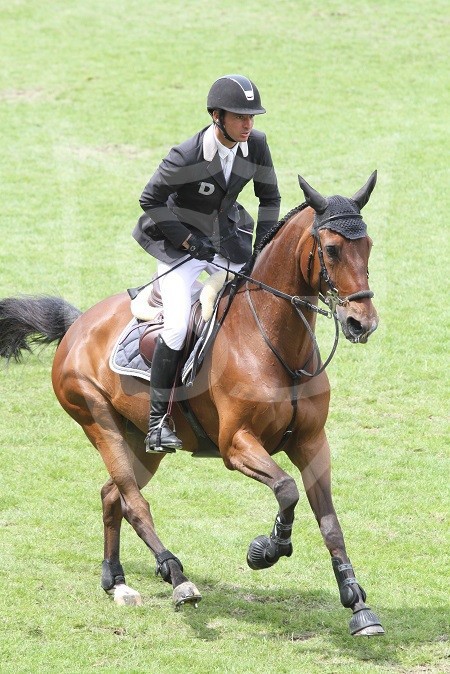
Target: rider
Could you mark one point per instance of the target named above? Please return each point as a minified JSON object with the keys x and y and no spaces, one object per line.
{"x":190,"y":211}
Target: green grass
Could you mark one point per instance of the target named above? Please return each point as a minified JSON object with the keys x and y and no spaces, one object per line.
{"x":92,"y":95}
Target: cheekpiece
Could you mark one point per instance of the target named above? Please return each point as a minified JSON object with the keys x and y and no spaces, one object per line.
{"x":342,"y":216}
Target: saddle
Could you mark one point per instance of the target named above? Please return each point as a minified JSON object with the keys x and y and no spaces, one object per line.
{"x":149,"y":307}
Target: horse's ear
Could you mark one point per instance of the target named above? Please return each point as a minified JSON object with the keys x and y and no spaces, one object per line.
{"x":313,"y":198}
{"x":363,"y":195}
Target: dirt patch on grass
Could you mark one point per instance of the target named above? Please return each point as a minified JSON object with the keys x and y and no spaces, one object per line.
{"x":110,"y":150}
{"x":21,"y":95}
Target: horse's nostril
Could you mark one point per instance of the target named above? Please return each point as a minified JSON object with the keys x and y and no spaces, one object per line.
{"x":354,"y":326}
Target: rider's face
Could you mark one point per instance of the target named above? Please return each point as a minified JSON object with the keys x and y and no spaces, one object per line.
{"x":237,"y":127}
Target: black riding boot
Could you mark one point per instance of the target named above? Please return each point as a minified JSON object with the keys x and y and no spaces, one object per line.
{"x":160,"y":437}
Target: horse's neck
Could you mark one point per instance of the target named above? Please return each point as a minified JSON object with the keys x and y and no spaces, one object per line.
{"x":283,"y":264}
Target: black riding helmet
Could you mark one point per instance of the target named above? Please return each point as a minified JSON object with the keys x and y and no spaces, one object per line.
{"x":235,"y":93}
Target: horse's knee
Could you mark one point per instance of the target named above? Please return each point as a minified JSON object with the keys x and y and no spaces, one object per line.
{"x":286,"y":492}
{"x":136,"y":511}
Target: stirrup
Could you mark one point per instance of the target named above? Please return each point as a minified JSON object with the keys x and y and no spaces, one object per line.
{"x":158,"y":447}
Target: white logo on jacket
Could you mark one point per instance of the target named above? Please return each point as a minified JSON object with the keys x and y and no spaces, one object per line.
{"x":206,"y":188}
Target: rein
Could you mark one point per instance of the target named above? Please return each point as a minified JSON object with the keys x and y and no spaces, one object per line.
{"x":294,"y":299}
{"x":331,"y":299}
{"x":301,"y":372}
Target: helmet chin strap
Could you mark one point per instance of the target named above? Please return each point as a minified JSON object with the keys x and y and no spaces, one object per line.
{"x":219,"y":124}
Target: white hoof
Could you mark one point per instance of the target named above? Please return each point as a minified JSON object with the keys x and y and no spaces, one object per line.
{"x":125,"y":596}
{"x":186,"y":593}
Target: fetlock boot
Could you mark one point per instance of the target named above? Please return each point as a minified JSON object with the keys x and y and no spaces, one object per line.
{"x":160,"y":437}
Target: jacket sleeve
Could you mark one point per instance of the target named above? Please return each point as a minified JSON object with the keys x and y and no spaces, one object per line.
{"x":266,"y":190}
{"x":169,"y":177}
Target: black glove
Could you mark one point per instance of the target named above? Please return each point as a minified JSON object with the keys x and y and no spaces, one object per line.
{"x":202,"y":249}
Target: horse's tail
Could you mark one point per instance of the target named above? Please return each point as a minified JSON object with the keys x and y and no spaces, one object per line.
{"x":27,"y":321}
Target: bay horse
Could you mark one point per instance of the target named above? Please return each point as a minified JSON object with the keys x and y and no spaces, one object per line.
{"x":262,"y":385}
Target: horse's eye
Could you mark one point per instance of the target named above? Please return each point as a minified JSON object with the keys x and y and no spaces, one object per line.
{"x":332,"y":252}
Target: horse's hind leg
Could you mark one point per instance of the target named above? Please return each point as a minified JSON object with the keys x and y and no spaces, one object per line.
{"x":314,"y":462}
{"x":130,"y":469}
{"x":113,"y":576}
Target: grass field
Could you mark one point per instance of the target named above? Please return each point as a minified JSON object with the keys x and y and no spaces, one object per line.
{"x":92,"y":96}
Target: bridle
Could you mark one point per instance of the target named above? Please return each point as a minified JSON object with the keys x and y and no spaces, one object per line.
{"x":332,"y":299}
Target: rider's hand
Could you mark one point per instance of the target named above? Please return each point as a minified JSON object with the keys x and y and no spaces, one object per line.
{"x":202,"y":249}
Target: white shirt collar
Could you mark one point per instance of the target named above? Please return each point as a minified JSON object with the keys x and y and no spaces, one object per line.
{"x":211,"y":145}
{"x":225,"y":151}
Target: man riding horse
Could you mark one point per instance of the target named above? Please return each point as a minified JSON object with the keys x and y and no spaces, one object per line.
{"x":192,"y":217}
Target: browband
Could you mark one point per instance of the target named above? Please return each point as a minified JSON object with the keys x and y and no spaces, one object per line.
{"x":339,"y":216}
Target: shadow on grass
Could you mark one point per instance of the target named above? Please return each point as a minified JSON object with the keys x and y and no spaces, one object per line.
{"x":310,"y":618}
{"x":307,"y":619}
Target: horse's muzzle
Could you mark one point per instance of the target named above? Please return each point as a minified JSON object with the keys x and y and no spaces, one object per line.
{"x":357,"y":325}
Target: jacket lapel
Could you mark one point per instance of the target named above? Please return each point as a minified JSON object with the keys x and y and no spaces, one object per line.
{"x":211,"y":155}
{"x":237,"y":170}
{"x":215,"y":171}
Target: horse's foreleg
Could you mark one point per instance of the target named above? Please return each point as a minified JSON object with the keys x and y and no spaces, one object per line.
{"x":314,"y":463}
{"x":248,"y":456}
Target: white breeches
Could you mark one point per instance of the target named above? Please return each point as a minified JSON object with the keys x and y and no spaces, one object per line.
{"x":176,"y":292}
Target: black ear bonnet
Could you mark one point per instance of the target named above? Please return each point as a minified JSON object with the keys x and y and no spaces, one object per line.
{"x":343,"y":216}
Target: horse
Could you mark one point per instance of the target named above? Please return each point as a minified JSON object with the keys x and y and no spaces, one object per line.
{"x":262,"y":388}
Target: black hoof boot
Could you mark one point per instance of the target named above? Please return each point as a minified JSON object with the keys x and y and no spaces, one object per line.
{"x":264,"y":552}
{"x":365,"y":623}
{"x":256,"y":555}
{"x":112,"y":573}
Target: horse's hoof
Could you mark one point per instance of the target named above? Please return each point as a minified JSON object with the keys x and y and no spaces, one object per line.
{"x":186,"y":593}
{"x":365,"y":623}
{"x":125,"y":596}
{"x":256,"y":555}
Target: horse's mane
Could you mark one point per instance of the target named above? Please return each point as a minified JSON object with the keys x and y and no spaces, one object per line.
{"x":267,"y":238}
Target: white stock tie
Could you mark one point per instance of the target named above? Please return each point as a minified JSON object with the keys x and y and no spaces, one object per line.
{"x":228,"y":166}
